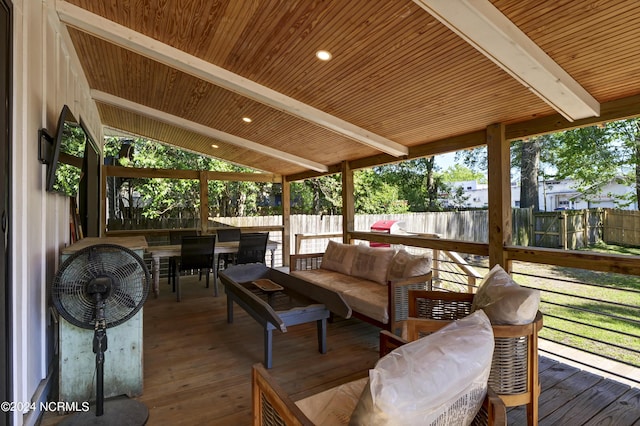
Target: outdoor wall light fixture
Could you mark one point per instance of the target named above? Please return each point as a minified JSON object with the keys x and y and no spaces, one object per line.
{"x":485,"y":28}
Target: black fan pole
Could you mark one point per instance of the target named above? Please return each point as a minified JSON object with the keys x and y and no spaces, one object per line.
{"x":98,"y":288}
{"x":99,"y":347}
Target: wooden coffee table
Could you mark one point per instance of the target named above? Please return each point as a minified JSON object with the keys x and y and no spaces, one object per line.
{"x":278,"y":300}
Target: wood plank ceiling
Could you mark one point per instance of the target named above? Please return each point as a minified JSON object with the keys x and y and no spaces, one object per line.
{"x":397,"y":73}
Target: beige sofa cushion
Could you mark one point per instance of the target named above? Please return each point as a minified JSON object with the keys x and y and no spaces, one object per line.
{"x":372,"y":263}
{"x":339,"y":257}
{"x":406,"y":265}
{"x":363,"y":296}
{"x":333,"y":406}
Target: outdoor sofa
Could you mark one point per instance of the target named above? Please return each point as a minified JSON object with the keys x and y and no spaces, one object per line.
{"x":374,"y":281}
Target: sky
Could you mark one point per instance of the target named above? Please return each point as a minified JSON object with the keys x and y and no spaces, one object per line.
{"x":444,"y":161}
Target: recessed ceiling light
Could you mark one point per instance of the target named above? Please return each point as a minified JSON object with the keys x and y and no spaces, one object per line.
{"x":324,"y":55}
{"x":247,"y":119}
{"x":213,"y":145}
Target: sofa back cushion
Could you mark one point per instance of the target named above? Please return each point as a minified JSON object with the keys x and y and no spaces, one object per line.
{"x":372,"y":263}
{"x":339,"y":257}
{"x":440,"y":379}
{"x":406,"y":265}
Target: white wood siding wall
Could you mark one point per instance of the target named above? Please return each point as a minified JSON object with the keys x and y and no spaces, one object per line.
{"x":46,"y":75}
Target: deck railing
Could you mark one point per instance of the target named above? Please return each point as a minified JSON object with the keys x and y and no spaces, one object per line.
{"x":594,"y":313}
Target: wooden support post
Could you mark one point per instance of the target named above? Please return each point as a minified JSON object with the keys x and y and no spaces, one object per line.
{"x":286,"y":221}
{"x":348,"y":208}
{"x":500,"y":233}
{"x":204,"y":202}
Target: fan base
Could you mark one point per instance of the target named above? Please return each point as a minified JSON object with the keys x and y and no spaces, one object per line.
{"x":120,"y":412}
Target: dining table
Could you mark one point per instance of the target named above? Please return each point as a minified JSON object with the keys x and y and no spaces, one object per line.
{"x":170,"y":250}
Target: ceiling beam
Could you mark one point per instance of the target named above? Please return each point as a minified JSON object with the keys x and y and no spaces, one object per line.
{"x":192,"y":126}
{"x":132,"y":172}
{"x":141,"y":44}
{"x":490,"y":32}
{"x":615,"y":110}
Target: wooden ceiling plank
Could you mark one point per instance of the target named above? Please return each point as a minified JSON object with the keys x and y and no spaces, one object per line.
{"x":204,"y":130}
{"x":131,"y":40}
{"x":237,"y":157}
{"x":484,"y":27}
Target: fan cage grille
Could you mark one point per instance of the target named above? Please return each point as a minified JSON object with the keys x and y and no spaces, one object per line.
{"x":125,"y":270}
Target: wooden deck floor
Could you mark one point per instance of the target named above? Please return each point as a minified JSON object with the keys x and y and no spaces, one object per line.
{"x":197,"y":367}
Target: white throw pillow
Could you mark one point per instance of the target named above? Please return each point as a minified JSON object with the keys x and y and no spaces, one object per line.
{"x":504,"y":301}
{"x":440,"y":379}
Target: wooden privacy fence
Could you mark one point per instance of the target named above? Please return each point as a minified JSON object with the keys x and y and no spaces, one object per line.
{"x":621,"y":227}
{"x":566,"y":229}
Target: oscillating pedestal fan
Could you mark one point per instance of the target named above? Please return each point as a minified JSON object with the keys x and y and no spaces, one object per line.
{"x":98,"y":287}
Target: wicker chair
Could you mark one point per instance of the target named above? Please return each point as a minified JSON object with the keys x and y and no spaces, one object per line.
{"x":514,"y":370}
{"x":272,"y":406}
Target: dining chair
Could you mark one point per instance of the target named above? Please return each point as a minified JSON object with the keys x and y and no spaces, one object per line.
{"x":252,"y":248}
{"x":196,"y":253}
{"x":225,"y":235}
{"x":175,"y":237}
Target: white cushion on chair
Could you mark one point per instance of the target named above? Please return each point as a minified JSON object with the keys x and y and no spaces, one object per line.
{"x":333,"y":406}
{"x":438,"y":379}
{"x":504,"y":301}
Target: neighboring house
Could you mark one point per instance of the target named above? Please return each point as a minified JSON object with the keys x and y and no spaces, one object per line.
{"x":561,"y":194}
{"x":553,"y":195}
{"x":475,"y":195}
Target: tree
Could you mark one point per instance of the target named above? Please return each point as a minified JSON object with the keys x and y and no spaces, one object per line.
{"x":418,"y":183}
{"x":529,"y":171}
{"x":434,"y":183}
{"x":179,"y":198}
{"x":595,"y":156}
{"x":460,"y":173}
{"x":627,"y":132}
{"x":373,"y":195}
{"x":457,"y":198}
